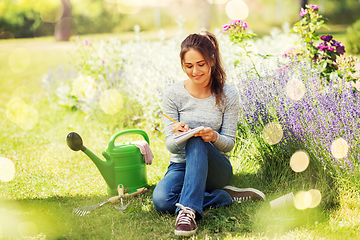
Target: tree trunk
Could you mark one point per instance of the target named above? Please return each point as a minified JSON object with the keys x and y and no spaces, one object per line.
{"x":64,"y":27}
{"x":203,"y":14}
{"x":303,"y":3}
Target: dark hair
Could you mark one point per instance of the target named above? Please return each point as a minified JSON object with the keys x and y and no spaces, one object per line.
{"x":206,"y":44}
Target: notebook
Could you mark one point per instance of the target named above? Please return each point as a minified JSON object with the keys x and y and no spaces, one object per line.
{"x":181,"y":139}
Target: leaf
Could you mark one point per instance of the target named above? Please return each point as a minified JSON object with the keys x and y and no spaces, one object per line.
{"x":323,"y":65}
{"x":325,"y":26}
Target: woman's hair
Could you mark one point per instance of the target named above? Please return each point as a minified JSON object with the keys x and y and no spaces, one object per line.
{"x":206,"y":44}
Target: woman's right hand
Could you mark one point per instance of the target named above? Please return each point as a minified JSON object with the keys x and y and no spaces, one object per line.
{"x":179,"y":128}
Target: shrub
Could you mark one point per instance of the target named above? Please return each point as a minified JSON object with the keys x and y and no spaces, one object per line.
{"x":353,"y":37}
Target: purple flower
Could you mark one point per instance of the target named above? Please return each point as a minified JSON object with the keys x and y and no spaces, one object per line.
{"x":314,"y":7}
{"x":327,"y":38}
{"x":302,"y":12}
{"x":340,"y":48}
{"x":226,"y":27}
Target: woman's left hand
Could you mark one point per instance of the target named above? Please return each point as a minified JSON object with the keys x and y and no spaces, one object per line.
{"x":207,"y":134}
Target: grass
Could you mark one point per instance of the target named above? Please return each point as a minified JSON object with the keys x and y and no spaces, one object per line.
{"x":51,"y":180}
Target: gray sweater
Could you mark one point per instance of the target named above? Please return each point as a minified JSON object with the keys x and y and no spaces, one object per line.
{"x":183,"y":107}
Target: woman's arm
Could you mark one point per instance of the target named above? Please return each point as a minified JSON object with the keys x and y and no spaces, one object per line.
{"x":170,"y":109}
{"x":226,"y":138}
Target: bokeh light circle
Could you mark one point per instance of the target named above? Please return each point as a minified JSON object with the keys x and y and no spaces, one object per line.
{"x":28,"y":117}
{"x":84,"y":88}
{"x":315,"y":198}
{"x":7,"y":169}
{"x":19,"y":60}
{"x":339,"y":148}
{"x":13,"y":108}
{"x":24,"y":115}
{"x":295,"y":89}
{"x":303,"y":200}
{"x":217,"y":1}
{"x":111,"y":101}
{"x":237,"y":10}
{"x":129,"y":6}
{"x":51,"y":11}
{"x":272,"y":133}
{"x":299,"y":161}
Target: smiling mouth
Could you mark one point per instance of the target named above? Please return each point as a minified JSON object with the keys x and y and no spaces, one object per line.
{"x":197,"y":77}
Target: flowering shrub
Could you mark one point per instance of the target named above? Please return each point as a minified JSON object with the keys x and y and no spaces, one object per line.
{"x":324,"y":55}
{"x":292,"y":95}
{"x":307,"y":26}
{"x":237,"y":34}
{"x":329,"y":51}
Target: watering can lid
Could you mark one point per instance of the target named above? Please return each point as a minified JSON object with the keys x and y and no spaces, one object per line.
{"x":125,"y":146}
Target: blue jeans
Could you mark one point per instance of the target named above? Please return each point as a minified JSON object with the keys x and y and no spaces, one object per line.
{"x":197,"y":183}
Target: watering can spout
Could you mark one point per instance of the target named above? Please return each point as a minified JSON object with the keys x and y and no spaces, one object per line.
{"x":106,"y":168}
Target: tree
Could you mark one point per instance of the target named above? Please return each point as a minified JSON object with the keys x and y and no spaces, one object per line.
{"x":64,"y":27}
{"x":303,"y":3}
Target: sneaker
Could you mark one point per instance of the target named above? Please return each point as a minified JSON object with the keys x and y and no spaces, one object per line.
{"x":185,"y":224}
{"x":244,"y":194}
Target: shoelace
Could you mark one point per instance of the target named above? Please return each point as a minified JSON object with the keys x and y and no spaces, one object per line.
{"x":185,"y":215}
{"x":239,"y":199}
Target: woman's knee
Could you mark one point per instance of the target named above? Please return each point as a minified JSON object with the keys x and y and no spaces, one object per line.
{"x":161,"y":202}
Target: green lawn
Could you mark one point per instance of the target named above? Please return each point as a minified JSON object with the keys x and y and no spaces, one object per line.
{"x":51,"y":180}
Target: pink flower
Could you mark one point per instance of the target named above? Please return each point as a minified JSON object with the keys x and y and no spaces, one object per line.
{"x":86,"y":41}
{"x":238,"y":22}
{"x":302,"y":12}
{"x":314,"y":7}
{"x":245,"y":25}
{"x":226,"y":27}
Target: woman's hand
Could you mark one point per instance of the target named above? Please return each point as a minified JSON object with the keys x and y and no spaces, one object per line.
{"x":179,"y":128}
{"x":207,"y":134}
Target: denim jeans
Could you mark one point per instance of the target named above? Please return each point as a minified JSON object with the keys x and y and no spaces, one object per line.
{"x":197,"y":183}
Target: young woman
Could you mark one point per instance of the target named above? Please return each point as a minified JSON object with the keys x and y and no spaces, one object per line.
{"x":198,"y":174}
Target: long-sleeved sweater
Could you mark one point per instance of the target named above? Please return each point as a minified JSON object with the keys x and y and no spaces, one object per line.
{"x":183,"y":107}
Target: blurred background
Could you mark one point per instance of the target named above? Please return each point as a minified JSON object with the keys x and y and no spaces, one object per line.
{"x":65,"y":18}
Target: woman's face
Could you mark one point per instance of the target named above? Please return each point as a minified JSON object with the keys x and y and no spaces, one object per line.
{"x":196,"y":68}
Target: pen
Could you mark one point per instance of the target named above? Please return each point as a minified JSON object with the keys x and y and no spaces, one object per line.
{"x":169,"y":118}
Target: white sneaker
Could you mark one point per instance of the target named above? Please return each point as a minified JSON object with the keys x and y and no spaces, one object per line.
{"x":244,"y":194}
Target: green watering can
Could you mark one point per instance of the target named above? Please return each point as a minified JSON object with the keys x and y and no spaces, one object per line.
{"x":124,"y":162}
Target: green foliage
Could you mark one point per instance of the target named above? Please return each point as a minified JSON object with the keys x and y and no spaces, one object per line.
{"x":326,"y":56}
{"x":18,"y":17}
{"x":23,"y":18}
{"x":353,"y":37}
{"x":342,"y":11}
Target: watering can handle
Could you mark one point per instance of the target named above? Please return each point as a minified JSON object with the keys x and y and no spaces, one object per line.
{"x":129,"y":131}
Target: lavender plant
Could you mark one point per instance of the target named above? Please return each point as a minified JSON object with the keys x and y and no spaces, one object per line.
{"x":312,"y":122}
